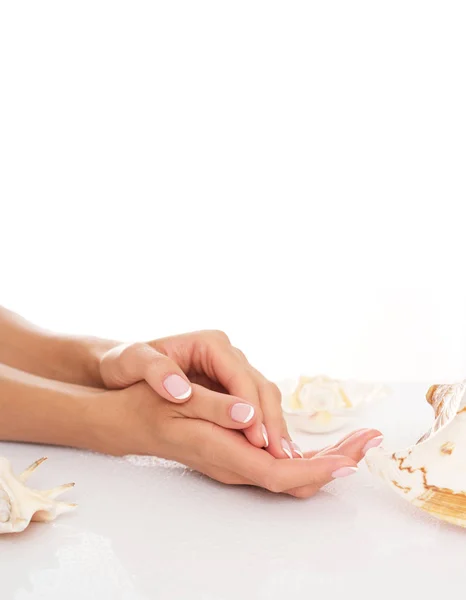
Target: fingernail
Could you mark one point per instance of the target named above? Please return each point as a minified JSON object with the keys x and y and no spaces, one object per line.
{"x":297,"y":449}
{"x":373,"y":443}
{"x":265,"y":436}
{"x":177,"y":387}
{"x":286,"y":448}
{"x":241,"y":413}
{"x":344,"y":472}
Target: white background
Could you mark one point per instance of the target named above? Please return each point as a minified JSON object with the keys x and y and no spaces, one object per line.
{"x":290,"y":172}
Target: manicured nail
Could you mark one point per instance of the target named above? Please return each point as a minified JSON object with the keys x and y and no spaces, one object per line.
{"x":297,"y":449}
{"x":177,"y":387}
{"x":265,"y":436}
{"x":344,"y":472}
{"x":286,"y":448}
{"x":241,"y":413}
{"x":373,"y":443}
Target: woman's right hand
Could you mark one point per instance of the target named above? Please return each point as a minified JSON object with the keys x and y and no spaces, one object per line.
{"x":172,"y":364}
{"x":203,"y":435}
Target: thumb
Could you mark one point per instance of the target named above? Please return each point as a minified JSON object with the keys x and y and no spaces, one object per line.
{"x":129,"y":363}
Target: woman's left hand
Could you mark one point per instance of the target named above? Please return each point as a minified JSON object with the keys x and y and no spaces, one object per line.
{"x":171,"y":364}
{"x":201,"y":435}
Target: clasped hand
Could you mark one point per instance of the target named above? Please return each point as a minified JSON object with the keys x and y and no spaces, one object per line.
{"x":194,"y":398}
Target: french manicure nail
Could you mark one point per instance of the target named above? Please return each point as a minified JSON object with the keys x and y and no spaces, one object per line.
{"x":373,"y":443}
{"x":296,"y":449}
{"x":265,"y":436}
{"x":286,"y":448}
{"x":241,"y":413}
{"x":177,"y":387}
{"x":344,"y":472}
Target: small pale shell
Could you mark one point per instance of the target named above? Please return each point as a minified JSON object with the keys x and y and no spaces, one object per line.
{"x":321,"y":404}
{"x":432,"y":473}
{"x":19,"y":505}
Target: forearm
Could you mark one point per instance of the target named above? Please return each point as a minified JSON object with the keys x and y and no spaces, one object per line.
{"x":34,"y":409}
{"x":64,"y":358}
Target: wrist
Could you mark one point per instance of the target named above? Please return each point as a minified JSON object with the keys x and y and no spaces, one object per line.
{"x":77,"y":360}
{"x":104,"y":417}
{"x":111,"y":422}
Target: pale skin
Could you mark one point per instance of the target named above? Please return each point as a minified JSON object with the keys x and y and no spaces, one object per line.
{"x":193,"y":398}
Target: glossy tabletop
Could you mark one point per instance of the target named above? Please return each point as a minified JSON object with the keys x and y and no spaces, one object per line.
{"x":148,"y":529}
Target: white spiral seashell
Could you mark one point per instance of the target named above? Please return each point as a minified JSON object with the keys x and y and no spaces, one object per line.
{"x":432,"y":473}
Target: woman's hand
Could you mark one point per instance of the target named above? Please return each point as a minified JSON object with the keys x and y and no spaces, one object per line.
{"x":171,"y":365}
{"x":138,"y":421}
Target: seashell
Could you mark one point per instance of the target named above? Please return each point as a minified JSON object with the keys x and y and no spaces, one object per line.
{"x":432,"y":473}
{"x":322,"y":404}
{"x":19,"y":505}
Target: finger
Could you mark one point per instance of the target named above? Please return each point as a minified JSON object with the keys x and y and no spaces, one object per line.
{"x":316,"y":471}
{"x":225,"y":449}
{"x":312,"y":453}
{"x":231,"y":478}
{"x":280,"y":443}
{"x":222,"y":409}
{"x":322,"y":477}
{"x":355,"y":446}
{"x":129,"y":363}
{"x":327,"y":476}
{"x":232,"y":371}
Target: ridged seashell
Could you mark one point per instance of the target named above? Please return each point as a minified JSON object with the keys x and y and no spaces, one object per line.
{"x":321,"y":404}
{"x":19,"y":505}
{"x":432,"y":473}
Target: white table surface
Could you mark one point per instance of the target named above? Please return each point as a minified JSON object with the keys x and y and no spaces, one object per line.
{"x":153,"y":530}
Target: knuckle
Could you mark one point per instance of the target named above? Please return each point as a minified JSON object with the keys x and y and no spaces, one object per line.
{"x":154,"y":360}
{"x":275,"y":389}
{"x":138,"y":350}
{"x":130,"y":356}
{"x":271,"y":390}
{"x":241,"y":354}
{"x":232,"y":379}
{"x":138,"y":346}
{"x":219,"y":335}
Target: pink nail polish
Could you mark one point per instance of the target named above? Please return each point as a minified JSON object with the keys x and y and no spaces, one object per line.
{"x":297,"y":449}
{"x":241,"y":413}
{"x":373,"y":443}
{"x":344,"y":472}
{"x":286,"y":448}
{"x":265,"y":436}
{"x":177,"y":387}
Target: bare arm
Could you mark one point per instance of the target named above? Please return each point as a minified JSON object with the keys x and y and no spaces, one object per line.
{"x":38,"y":410}
{"x":65,"y":358}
